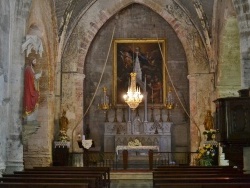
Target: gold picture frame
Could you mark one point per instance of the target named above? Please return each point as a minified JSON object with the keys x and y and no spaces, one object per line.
{"x":152,"y":57}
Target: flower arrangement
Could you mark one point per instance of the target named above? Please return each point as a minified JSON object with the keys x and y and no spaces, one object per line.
{"x":205,"y":155}
{"x":136,"y":142}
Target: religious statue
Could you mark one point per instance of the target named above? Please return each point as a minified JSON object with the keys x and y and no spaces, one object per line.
{"x":63,"y":127}
{"x":31,"y":87}
{"x":209,"y":122}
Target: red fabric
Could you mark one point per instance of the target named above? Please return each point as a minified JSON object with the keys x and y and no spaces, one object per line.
{"x":31,"y":95}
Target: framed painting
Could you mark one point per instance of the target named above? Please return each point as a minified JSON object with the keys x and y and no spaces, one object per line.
{"x":152,"y":65}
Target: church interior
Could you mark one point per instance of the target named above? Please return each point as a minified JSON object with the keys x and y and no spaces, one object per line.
{"x":128,"y":85}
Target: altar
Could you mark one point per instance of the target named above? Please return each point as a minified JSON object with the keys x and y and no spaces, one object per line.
{"x":149,"y":134}
{"x":128,"y":152}
{"x":137,"y":149}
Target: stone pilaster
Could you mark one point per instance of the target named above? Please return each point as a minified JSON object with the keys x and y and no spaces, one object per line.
{"x":200,"y":101}
{"x":243,"y":24}
{"x":14,"y":82}
{"x":72,"y":103}
{"x":194,"y":129}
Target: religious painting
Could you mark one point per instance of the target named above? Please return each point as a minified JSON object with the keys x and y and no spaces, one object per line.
{"x":151,"y":69}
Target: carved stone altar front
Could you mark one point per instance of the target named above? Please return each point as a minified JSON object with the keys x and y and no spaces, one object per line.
{"x":148,"y":133}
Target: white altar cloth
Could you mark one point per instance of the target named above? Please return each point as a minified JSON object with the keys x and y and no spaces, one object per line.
{"x":136,"y":148}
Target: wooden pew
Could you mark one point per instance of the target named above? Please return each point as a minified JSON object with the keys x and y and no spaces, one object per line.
{"x":86,"y":176}
{"x":104,"y":170}
{"x":202,"y":170}
{"x":199,"y":168}
{"x":62,"y":174}
{"x":42,"y":185}
{"x":195,"y":167}
{"x":202,"y":185}
{"x":200,"y":181}
{"x":90,"y":181}
{"x":175,"y":177}
{"x":98,"y":181}
{"x":162,"y":175}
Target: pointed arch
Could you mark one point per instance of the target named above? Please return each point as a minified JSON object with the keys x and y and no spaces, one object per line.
{"x":188,"y":35}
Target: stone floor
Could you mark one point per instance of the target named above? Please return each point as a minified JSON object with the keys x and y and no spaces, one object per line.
{"x":131,"y":184}
{"x":137,"y":179}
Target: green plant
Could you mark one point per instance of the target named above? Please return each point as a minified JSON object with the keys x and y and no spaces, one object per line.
{"x":205,"y":155}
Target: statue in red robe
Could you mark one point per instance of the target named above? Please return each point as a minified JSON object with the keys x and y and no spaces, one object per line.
{"x":31,"y":90}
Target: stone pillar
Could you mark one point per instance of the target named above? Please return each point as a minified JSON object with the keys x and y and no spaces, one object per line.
{"x":194,"y":132}
{"x":243,"y":22}
{"x":14,"y":82}
{"x":200,"y":99}
{"x":4,"y":66}
{"x":72,"y":102}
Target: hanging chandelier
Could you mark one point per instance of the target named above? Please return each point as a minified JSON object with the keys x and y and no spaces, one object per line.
{"x":133,"y":97}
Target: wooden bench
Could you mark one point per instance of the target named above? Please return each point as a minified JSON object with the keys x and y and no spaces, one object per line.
{"x":93,"y":177}
{"x":42,"y":185}
{"x":198,"y":168}
{"x":162,"y":175}
{"x":195,"y":167}
{"x":104,"y":170}
{"x":199,"y":177}
{"x":202,"y":185}
{"x":98,"y":176}
{"x":98,"y":181}
{"x":90,"y":181}
{"x":200,"y":180}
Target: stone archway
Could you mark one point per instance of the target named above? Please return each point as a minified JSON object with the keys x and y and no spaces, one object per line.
{"x":198,"y":65}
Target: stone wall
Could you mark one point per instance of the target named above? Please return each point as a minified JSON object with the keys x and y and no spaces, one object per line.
{"x":228,"y":70}
{"x":242,"y":8}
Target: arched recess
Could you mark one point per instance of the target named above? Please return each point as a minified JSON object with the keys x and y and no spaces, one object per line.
{"x":198,"y":67}
{"x":171,"y":13}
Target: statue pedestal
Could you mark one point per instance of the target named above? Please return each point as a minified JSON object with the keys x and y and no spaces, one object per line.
{"x":61,"y":153}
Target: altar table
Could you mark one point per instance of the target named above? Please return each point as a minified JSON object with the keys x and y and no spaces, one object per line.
{"x":136,"y":148}
{"x":125,"y":150}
